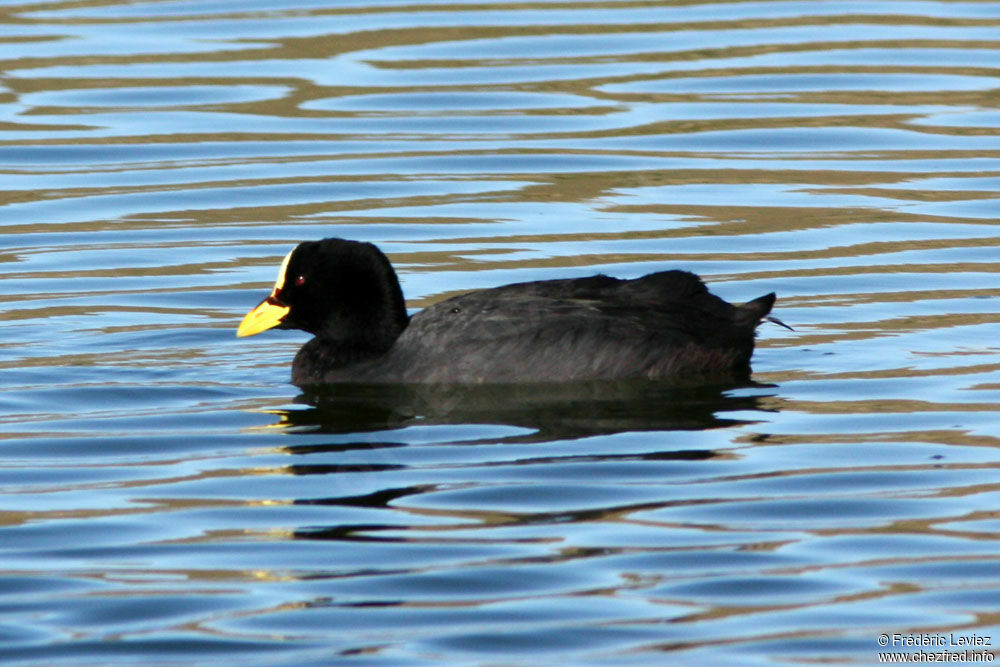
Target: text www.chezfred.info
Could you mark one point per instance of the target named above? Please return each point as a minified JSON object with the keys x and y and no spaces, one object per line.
{"x":949,"y":647}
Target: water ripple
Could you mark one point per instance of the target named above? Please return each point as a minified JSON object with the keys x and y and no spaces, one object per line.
{"x":166,"y":495}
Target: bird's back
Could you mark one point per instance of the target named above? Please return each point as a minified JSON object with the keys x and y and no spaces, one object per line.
{"x":663,"y":325}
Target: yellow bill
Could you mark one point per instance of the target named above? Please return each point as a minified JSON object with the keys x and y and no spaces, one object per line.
{"x":266,"y":315}
{"x":268,"y":312}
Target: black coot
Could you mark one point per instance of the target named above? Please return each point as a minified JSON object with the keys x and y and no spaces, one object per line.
{"x":664,"y":325}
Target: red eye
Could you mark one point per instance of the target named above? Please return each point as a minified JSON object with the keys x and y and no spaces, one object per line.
{"x":300,"y":281}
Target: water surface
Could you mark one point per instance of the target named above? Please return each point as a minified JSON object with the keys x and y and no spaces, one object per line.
{"x":167,"y":495}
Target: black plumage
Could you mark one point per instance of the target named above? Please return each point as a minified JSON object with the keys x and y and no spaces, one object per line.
{"x":665,"y":325}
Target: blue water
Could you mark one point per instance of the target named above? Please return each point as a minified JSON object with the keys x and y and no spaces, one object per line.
{"x":167,"y":496}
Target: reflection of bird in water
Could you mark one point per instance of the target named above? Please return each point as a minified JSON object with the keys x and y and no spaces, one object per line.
{"x":662,"y":326}
{"x":524,"y":412}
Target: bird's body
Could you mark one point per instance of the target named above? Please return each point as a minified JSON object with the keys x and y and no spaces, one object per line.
{"x":665,"y":325}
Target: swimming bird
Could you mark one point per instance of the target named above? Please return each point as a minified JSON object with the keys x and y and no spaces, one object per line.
{"x":664,"y":325}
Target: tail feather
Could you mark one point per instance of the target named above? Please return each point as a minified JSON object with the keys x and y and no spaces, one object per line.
{"x":752,"y":313}
{"x":772,"y":318}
